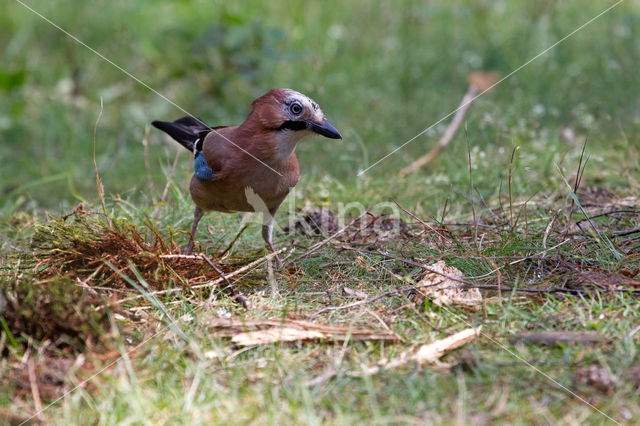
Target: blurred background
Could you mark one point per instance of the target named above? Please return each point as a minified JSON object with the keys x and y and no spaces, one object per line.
{"x":382,"y":71}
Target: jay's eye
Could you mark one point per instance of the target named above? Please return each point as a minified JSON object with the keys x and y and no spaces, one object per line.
{"x":295,"y":108}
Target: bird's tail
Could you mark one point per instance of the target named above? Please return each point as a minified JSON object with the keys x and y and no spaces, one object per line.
{"x":186,"y":130}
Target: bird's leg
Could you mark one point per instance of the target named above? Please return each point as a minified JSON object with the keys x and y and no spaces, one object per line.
{"x":197,"y":215}
{"x":267,"y":235}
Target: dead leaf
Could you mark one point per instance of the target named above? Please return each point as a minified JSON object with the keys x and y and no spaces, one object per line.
{"x":251,"y":332}
{"x":442,"y":287}
{"x":596,"y":378}
{"x":560,"y":337}
{"x":430,"y":352}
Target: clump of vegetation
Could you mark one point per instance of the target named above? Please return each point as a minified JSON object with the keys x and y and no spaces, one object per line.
{"x":56,"y":310}
{"x":91,"y":246}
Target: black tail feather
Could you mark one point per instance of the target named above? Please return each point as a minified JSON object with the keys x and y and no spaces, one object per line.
{"x":185,"y":130}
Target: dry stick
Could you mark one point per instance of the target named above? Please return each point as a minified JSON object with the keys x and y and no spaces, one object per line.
{"x":87,"y":287}
{"x":624,"y":233}
{"x":318,"y":245}
{"x":610,"y":213}
{"x":210,"y":283}
{"x":448,"y":134}
{"x":33,"y":383}
{"x":233,"y":294}
{"x":180,"y":256}
{"x":426,"y":353}
{"x":478,"y":82}
{"x":215,"y":268}
{"x":629,"y":240}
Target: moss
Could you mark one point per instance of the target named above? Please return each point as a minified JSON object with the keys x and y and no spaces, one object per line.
{"x":57,"y":310}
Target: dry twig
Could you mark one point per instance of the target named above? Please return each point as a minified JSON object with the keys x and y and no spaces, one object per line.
{"x":479,"y":82}
{"x":427,"y":353}
{"x":212,"y":283}
{"x":560,"y":337}
{"x":33,"y":382}
{"x":251,"y":332}
{"x":229,"y":289}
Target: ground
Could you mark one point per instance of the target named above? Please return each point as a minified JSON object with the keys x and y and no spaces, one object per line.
{"x":534,"y":202}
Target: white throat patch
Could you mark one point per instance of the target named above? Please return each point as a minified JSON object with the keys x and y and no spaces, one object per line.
{"x":286,"y":141}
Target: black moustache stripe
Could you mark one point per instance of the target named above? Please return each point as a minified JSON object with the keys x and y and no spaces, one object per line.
{"x":293,"y":125}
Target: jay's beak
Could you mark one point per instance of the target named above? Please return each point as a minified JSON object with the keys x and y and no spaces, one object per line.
{"x":325,"y":129}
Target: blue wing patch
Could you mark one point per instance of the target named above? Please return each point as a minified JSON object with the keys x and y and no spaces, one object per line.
{"x":202,"y":169}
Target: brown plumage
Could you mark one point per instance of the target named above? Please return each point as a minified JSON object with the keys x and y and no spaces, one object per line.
{"x":254,"y":164}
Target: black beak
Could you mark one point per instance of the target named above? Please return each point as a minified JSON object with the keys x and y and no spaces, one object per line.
{"x":326,"y":129}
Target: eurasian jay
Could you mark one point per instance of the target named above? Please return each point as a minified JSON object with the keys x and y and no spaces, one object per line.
{"x":253,"y":166}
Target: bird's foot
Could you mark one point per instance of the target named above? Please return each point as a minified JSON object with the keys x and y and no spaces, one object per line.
{"x":272,"y":249}
{"x":279,"y":263}
{"x":188,"y":249}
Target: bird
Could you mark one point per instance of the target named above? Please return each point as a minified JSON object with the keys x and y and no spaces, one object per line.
{"x":251,"y":167}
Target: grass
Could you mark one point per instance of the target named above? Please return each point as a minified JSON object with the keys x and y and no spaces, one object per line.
{"x":382,"y":74}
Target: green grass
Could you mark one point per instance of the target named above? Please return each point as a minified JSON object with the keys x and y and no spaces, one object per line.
{"x":382,"y":72}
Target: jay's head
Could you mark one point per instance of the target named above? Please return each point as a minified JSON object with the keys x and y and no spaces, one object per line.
{"x":285,"y":110}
